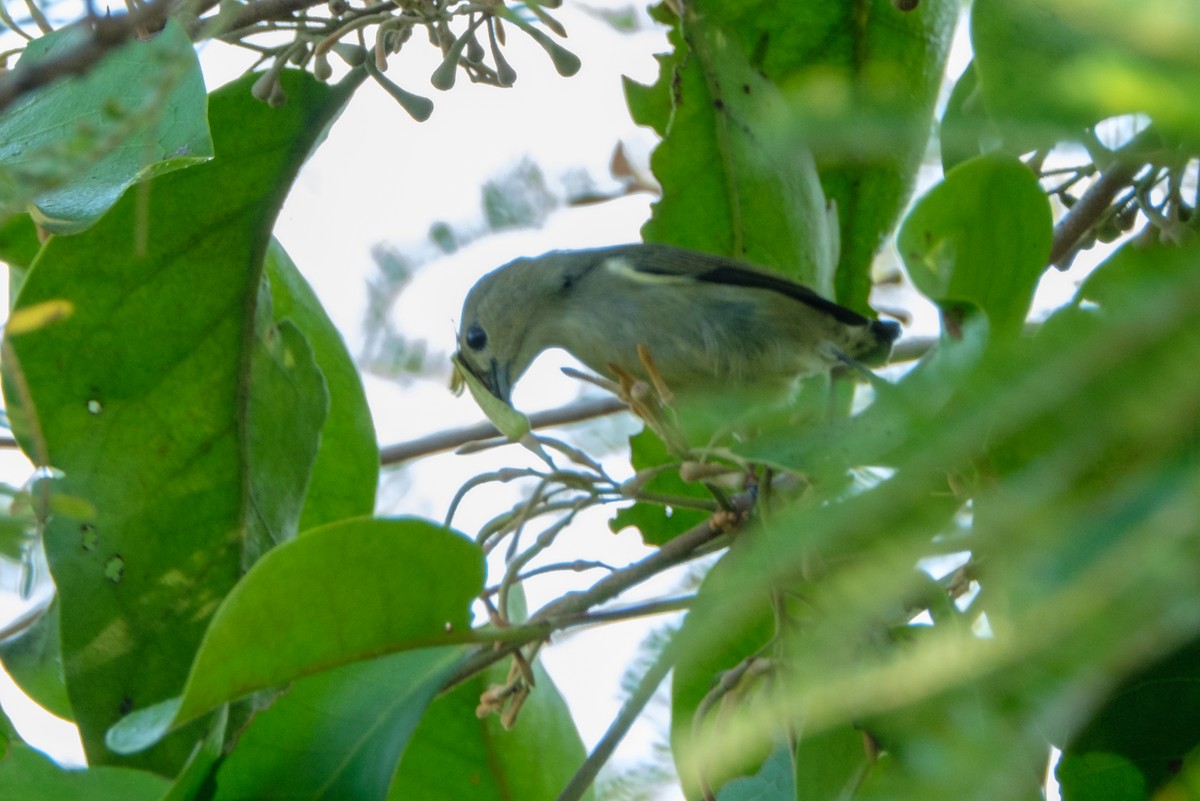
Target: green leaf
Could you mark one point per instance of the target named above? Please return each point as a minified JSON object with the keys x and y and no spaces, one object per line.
{"x":71,"y":149}
{"x":19,"y":245}
{"x":143,"y":395}
{"x":1100,"y":777}
{"x":859,"y":82}
{"x":879,"y":435}
{"x":455,"y":754}
{"x":659,"y":523}
{"x":1141,"y":736}
{"x":273,"y":627}
{"x":831,"y":765}
{"x":39,"y":779}
{"x":855,"y":83}
{"x":730,"y":187}
{"x":8,"y":734}
{"x":287,"y":409}
{"x":980,"y":237}
{"x":337,"y":734}
{"x":1050,"y":68}
{"x":346,"y":471}
{"x":966,"y":128}
{"x":193,"y":780}
{"x":700,"y":667}
{"x":773,"y":782}
{"x":1120,"y":282}
{"x":1084,"y":538}
{"x":34,"y":661}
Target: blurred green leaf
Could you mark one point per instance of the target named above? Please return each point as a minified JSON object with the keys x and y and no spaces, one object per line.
{"x":1100,"y":777}
{"x":72,"y":148}
{"x":831,"y":765}
{"x":708,"y":650}
{"x":773,"y":782}
{"x":19,"y":245}
{"x":980,"y":237}
{"x":1140,"y":737}
{"x":1083,"y":536}
{"x":194,"y":780}
{"x":656,"y":522}
{"x":1050,"y":68}
{"x":879,"y":435}
{"x":966,"y":128}
{"x":273,"y":628}
{"x":143,"y":396}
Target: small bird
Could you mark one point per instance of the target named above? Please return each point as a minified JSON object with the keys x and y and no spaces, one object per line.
{"x":707,"y":322}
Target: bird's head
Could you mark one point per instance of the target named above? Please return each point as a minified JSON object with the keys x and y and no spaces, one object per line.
{"x":509,"y":318}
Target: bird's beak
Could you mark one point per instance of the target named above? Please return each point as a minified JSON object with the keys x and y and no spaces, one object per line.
{"x":498,"y":383}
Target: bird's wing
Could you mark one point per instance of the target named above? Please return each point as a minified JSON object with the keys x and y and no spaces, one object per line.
{"x":670,"y":263}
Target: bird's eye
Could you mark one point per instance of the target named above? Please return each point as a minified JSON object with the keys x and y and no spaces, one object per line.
{"x":476,"y":337}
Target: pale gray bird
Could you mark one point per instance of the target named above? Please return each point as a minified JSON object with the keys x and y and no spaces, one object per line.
{"x":708,"y":322}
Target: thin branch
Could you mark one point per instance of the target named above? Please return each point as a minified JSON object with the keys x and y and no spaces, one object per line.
{"x":1084,"y":214}
{"x":600,"y":755}
{"x":689,"y":545}
{"x":106,"y":33}
{"x":109,"y":33}
{"x":449,"y":440}
{"x":254,"y":13}
{"x":665,"y":606}
{"x":1075,"y":224}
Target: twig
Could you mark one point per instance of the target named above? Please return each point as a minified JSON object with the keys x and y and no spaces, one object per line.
{"x":1075,"y":224}
{"x":689,"y":545}
{"x":449,"y":440}
{"x":600,"y":755}
{"x":107,"y":33}
{"x":665,"y":606}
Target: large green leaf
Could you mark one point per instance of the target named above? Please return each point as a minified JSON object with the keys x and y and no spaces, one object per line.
{"x":1049,"y":68}
{"x":149,"y":394}
{"x":339,"y":734}
{"x":773,"y":782}
{"x":1142,"y":734}
{"x":966,"y":129}
{"x":980,"y":237}
{"x":384,"y":585}
{"x":35,"y":664}
{"x":71,"y":149}
{"x":859,"y":82}
{"x":346,"y":471}
{"x":700,"y":668}
{"x":455,"y":754}
{"x":730,"y":186}
{"x":28,"y":775}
